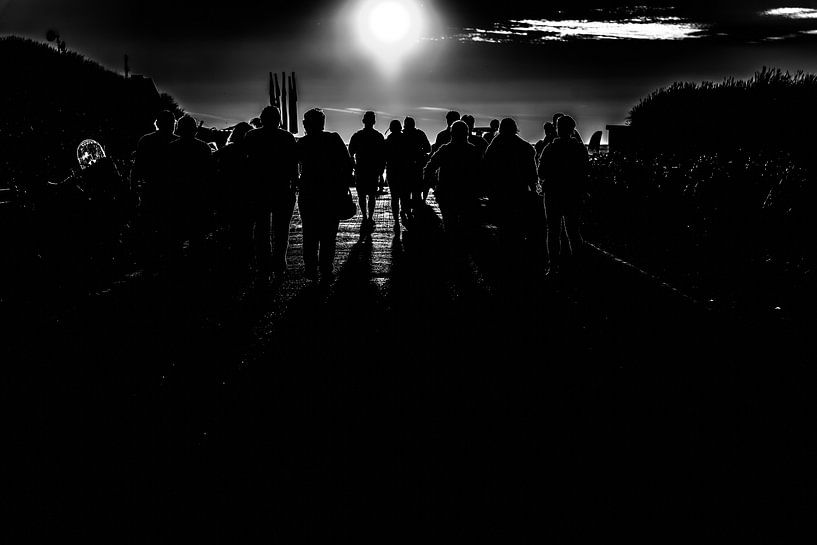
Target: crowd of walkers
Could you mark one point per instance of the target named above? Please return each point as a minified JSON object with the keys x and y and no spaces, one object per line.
{"x":251,"y":185}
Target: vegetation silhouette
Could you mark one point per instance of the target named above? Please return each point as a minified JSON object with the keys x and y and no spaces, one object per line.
{"x":691,"y":117}
{"x":51,"y":101}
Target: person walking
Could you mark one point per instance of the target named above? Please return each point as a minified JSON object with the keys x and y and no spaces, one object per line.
{"x":444,"y":136}
{"x":273,"y":169}
{"x":234,"y":197}
{"x":494,"y":125}
{"x":191,"y":168}
{"x":511,"y":171}
{"x":419,"y":149}
{"x":477,"y":141}
{"x":150,"y":179}
{"x":458,"y":164}
{"x":563,"y":174}
{"x":398,"y":174}
{"x":367,"y":148}
{"x":326,"y":173}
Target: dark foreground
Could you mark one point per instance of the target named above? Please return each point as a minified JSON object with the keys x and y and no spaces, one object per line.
{"x":424,"y":397}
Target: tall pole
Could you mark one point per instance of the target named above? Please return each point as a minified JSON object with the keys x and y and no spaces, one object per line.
{"x":277,"y":102}
{"x":284,"y":112}
{"x":293,"y":105}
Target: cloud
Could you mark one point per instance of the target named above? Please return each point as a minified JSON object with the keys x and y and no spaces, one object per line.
{"x":792,"y":13}
{"x":638,"y":23}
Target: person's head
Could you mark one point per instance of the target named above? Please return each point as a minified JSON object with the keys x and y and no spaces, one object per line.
{"x":508,"y":126}
{"x":395,"y":126}
{"x":565,"y":126}
{"x":239,"y":132}
{"x":255,"y":122}
{"x":270,"y":117}
{"x":186,"y":127}
{"x":470,"y":121}
{"x":409,"y":124}
{"x":556,"y":117}
{"x":459,"y":131}
{"x":549,"y":128}
{"x":452,"y":116}
{"x":369,"y":119}
{"x":165,"y":122}
{"x":314,"y":120}
{"x":494,"y":125}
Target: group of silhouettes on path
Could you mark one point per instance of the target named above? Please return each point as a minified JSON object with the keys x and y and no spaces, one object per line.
{"x":255,"y":179}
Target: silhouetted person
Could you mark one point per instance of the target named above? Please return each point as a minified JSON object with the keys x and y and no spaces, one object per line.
{"x":458,"y":163}
{"x":419,"y":149}
{"x":368,"y":151}
{"x":444,"y":136}
{"x":106,"y":199}
{"x":255,"y":122}
{"x":477,"y":141}
{"x":273,"y":165}
{"x":150,"y":179}
{"x":191,"y":171}
{"x":511,"y":170}
{"x":563,"y":172}
{"x":594,"y":145}
{"x":550,"y":133}
{"x":235,"y":198}
{"x":398,"y":174}
{"x":492,"y":133}
{"x":575,"y":134}
{"x":326,"y":171}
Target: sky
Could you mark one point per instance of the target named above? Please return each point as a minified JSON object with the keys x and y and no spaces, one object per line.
{"x":525,"y":60}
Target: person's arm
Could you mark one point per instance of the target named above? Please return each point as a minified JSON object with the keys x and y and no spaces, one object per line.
{"x":542,"y":168}
{"x":353,"y":148}
{"x":381,"y":155}
{"x":346,"y":165}
{"x":425,"y":145}
{"x":433,"y":164}
{"x":292,"y":162}
{"x":529,"y":168}
{"x":585,"y":169}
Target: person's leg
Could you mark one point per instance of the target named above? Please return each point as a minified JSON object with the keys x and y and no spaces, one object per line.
{"x":240,"y":233}
{"x":405,"y":205}
{"x":328,"y":241}
{"x":445,"y":212}
{"x":395,"y":209}
{"x":361,"y":201}
{"x":262,"y":239}
{"x":372,"y":202}
{"x":281,"y":219}
{"x":311,"y":238}
{"x":573,"y":231}
{"x":553,"y":220}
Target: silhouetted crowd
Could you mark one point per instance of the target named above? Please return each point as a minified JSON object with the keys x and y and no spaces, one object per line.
{"x":251,"y":185}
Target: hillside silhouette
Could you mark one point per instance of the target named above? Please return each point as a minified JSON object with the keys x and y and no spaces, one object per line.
{"x":51,"y":101}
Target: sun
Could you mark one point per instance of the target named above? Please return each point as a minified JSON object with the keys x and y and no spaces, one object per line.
{"x":388,"y":30}
{"x":389,"y":22}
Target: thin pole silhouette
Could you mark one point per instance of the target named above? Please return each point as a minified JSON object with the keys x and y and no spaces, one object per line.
{"x":293,"y":105}
{"x":284,"y":110}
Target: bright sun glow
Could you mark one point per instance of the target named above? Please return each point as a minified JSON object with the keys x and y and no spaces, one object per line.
{"x":388,"y":30}
{"x":389,"y":22}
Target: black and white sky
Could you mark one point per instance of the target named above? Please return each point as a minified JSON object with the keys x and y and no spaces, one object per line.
{"x":422,"y":57}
